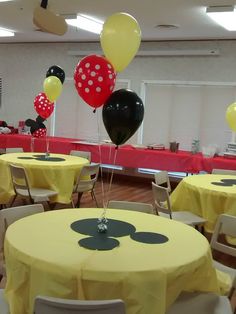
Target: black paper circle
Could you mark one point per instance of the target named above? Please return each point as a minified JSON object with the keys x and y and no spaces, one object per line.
{"x":115,"y":228}
{"x":149,"y":237}
{"x":45,"y":158}
{"x":222,"y":183}
{"x":100,"y":242}
{"x":231,"y":181}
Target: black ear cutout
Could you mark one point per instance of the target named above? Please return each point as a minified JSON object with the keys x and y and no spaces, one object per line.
{"x":31,"y":123}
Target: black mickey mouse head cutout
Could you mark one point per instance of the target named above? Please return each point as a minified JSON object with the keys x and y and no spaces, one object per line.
{"x":37,"y":128}
{"x":225,"y":182}
{"x":116,"y":228}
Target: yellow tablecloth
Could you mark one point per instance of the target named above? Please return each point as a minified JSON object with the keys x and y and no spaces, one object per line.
{"x":197,"y":194}
{"x":43,"y":257}
{"x":56,"y":175}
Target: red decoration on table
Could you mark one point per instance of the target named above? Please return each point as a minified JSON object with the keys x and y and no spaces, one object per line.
{"x":43,"y":106}
{"x":94,"y":79}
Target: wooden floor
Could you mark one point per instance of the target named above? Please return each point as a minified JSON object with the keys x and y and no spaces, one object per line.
{"x":136,"y":190}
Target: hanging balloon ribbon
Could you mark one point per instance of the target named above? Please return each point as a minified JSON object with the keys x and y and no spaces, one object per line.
{"x":122,"y":115}
{"x":231,"y":116}
{"x":120,"y":39}
{"x":94,"y":79}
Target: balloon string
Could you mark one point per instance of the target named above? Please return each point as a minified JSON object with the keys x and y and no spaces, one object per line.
{"x":100,"y":161}
{"x":109,"y":171}
{"x":47,"y":144}
{"x":94,"y":111}
{"x":32,"y":144}
{"x":111,"y":179}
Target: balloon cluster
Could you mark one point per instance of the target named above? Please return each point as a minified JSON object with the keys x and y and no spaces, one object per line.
{"x":95,"y":78}
{"x":44,"y":101}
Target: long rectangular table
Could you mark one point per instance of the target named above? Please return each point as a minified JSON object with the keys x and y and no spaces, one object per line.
{"x":126,"y":155}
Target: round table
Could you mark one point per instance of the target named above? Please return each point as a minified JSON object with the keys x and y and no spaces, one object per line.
{"x":56,"y":175}
{"x":43,"y":257}
{"x":207,"y":196}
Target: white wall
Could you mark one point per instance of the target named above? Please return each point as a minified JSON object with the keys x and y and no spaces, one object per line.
{"x":23,"y":68}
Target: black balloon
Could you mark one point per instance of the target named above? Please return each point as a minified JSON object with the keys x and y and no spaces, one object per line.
{"x":57,"y":71}
{"x":122,"y":115}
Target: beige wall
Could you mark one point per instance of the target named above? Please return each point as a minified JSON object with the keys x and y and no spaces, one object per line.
{"x":23,"y":68}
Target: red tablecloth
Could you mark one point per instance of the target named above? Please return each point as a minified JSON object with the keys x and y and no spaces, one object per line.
{"x":126,"y":155}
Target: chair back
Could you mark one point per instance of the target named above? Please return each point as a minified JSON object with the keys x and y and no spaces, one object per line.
{"x":4,"y":308}
{"x":80,"y":153}
{"x":162,"y":178}
{"x":19,"y":179}
{"x":12,"y":214}
{"x":49,"y":305}
{"x":14,"y":150}
{"x":87,"y":178}
{"x":224,"y":171}
{"x":140,"y":207}
{"x":226,"y":225}
{"x":161,"y":199}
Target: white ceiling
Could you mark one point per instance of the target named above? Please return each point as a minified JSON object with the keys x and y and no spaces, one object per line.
{"x":189,"y":15}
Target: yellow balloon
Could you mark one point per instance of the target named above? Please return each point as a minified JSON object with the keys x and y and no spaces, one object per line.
{"x":120,"y":39}
{"x":52,"y":87}
{"x":231,"y":116}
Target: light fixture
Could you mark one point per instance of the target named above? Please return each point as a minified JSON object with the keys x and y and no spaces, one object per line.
{"x":87,"y":23}
{"x":6,"y":33}
{"x":223,"y":15}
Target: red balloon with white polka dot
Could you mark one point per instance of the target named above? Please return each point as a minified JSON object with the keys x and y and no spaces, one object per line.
{"x":95,"y":80}
{"x":43,"y":106}
{"x":40,"y":133}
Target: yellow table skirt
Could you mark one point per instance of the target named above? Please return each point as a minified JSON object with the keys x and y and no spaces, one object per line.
{"x":43,"y":257}
{"x":198,"y":195}
{"x":58,"y":176}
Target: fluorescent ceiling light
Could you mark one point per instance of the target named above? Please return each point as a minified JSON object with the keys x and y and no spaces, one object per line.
{"x":224,"y":16}
{"x":87,"y":23}
{"x":6,"y":33}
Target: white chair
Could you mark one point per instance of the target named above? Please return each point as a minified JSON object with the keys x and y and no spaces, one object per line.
{"x":200,"y":303}
{"x":226,"y":225}
{"x":4,"y":308}
{"x":224,"y":171}
{"x":22,"y":187}
{"x":86,"y":182}
{"x":163,"y":208}
{"x":49,"y":305}
{"x":140,"y":207}
{"x":14,"y":150}
{"x":81,"y":153}
{"x":10,"y":215}
{"x":162,"y":178}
